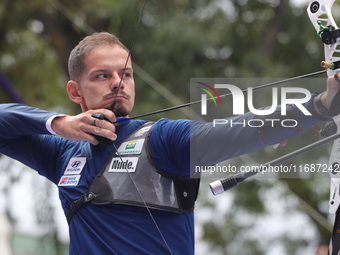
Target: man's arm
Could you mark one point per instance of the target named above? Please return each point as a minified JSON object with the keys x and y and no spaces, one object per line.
{"x":18,"y":120}
{"x":328,"y":96}
{"x":236,"y":141}
{"x":81,"y":126}
{"x":21,"y":120}
{"x":208,"y":144}
{"x":25,"y":137}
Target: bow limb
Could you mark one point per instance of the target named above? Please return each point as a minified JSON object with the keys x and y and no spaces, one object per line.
{"x":321,"y":17}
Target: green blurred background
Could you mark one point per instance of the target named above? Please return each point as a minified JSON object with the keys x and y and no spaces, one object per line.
{"x":176,"y":40}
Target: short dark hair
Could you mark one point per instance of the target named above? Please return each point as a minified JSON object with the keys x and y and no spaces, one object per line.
{"x":76,"y":64}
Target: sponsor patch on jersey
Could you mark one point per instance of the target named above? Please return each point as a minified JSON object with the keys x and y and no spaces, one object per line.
{"x":75,"y":166}
{"x":131,"y":147}
{"x":126,"y":164}
{"x":67,"y":180}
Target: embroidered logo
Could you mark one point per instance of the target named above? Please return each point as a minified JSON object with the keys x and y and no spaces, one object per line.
{"x":131,"y":147}
{"x":75,"y":166}
{"x":69,"y":180}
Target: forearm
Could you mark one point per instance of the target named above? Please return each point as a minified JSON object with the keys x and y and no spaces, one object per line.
{"x":24,"y":137}
{"x":212,"y":143}
{"x":20,"y":120}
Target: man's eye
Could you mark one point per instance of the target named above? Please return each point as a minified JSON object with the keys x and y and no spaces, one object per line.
{"x":101,"y":76}
{"x":127,"y":75}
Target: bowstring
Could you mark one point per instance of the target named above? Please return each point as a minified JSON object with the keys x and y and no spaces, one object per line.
{"x":130,"y":47}
{"x":115,"y":147}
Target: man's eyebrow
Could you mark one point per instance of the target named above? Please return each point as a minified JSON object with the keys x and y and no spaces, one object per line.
{"x":127,"y":69}
{"x":107,"y":70}
{"x":99,"y":70}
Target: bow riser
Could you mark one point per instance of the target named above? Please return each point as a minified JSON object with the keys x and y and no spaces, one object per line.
{"x":320,"y":15}
{"x":320,"y":11}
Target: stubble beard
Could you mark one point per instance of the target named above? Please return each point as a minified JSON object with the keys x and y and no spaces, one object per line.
{"x":118,"y":108}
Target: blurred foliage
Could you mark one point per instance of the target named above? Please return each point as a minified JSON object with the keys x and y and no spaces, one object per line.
{"x":176,"y":41}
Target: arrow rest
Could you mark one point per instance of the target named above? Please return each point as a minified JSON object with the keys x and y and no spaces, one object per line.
{"x":328,"y":34}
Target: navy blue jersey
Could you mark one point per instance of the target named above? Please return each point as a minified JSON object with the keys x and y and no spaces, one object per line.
{"x":176,"y":147}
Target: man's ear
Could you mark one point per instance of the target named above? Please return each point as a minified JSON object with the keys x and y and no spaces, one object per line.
{"x":73,"y":91}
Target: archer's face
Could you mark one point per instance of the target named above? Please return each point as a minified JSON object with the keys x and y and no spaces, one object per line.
{"x":104,"y":73}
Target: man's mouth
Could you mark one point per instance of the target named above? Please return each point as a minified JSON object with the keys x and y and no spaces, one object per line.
{"x":114,"y":96}
{"x":119,"y":97}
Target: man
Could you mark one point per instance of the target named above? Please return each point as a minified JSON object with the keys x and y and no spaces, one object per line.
{"x":142,"y":200}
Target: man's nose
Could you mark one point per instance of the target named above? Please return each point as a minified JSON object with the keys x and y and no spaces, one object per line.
{"x":117,"y":83}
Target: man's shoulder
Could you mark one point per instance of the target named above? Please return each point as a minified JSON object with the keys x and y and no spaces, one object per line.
{"x":172,"y":124}
{"x":162,"y":124}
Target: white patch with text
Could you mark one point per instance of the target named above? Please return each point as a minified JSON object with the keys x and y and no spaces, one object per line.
{"x":69,"y":180}
{"x":75,"y":166}
{"x":125,"y":164}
